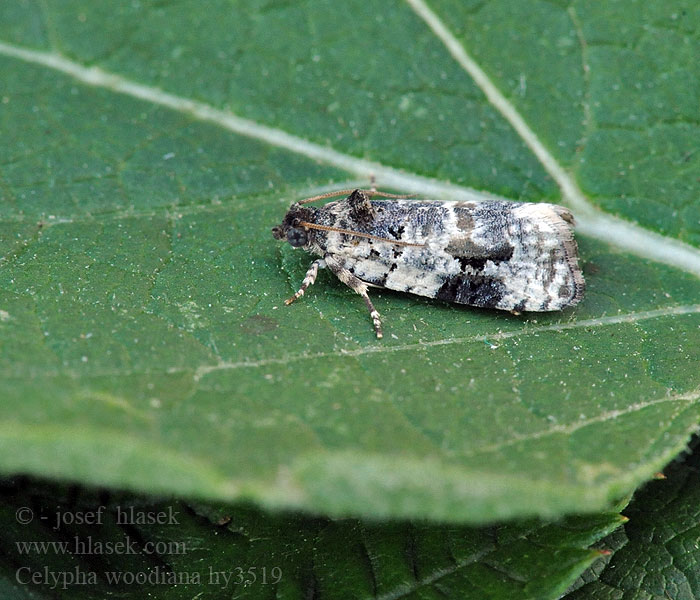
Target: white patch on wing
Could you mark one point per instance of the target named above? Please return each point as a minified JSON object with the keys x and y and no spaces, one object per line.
{"x":538,"y":268}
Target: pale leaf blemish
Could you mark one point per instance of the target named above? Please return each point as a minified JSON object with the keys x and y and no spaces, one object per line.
{"x":192,"y":316}
{"x":594,"y":473}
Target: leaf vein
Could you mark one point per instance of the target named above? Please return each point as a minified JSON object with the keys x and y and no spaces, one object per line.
{"x":604,"y":321}
{"x":683,"y":399}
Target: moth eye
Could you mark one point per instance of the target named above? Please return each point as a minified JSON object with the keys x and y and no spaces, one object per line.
{"x":296,"y":237}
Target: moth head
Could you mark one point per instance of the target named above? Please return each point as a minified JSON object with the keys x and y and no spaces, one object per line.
{"x":291,"y":229}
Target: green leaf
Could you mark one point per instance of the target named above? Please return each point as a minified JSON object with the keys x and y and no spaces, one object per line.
{"x":179,"y":550}
{"x":657,"y":554}
{"x":149,"y":147}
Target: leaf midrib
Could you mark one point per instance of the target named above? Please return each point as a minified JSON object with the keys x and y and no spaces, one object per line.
{"x":594,"y":222}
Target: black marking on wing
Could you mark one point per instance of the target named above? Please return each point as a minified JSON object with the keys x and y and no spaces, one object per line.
{"x":476,"y":290}
{"x":555,"y":256}
{"x":397,"y":232}
{"x":477,"y":263}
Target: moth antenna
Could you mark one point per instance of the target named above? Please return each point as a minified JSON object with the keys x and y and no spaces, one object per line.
{"x":374,"y":192}
{"x":369,"y":236}
{"x":326,"y":195}
{"x":370,"y":193}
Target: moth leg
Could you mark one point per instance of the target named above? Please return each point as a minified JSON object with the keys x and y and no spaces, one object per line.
{"x":308,"y":280}
{"x":359,"y":287}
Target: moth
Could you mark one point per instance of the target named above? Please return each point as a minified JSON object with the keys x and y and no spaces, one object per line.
{"x":492,"y":254}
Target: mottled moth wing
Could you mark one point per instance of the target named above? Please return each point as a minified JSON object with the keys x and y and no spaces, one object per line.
{"x":493,"y":254}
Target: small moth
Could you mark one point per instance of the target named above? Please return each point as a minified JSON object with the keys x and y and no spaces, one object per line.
{"x":492,"y":254}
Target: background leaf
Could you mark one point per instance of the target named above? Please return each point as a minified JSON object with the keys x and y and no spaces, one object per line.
{"x":657,"y":554}
{"x":237,"y":550}
{"x":147,"y":150}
